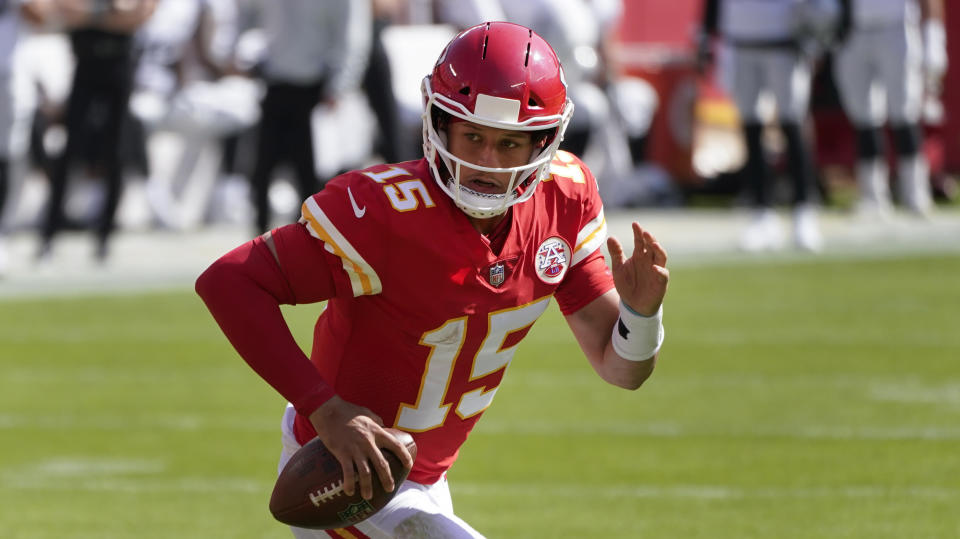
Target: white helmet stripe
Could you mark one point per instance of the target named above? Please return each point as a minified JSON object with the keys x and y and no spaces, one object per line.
{"x":497,"y":109}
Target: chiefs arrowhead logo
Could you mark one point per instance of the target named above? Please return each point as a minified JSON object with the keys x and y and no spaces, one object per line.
{"x":553,"y":259}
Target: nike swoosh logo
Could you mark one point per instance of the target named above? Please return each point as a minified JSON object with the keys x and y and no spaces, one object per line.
{"x":357,"y":210}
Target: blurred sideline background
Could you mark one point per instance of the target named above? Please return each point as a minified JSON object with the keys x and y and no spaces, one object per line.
{"x":665,"y":146}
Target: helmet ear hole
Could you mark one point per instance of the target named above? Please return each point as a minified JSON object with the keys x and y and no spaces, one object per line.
{"x":534,"y":101}
{"x":465,"y":90}
{"x":440,"y":119}
{"x":542,"y":138}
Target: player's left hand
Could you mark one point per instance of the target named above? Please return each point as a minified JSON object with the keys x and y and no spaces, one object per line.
{"x":641,"y":280}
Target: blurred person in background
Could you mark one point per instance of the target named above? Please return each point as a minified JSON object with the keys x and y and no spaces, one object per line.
{"x":462,"y":14}
{"x":767,"y":48}
{"x":378,"y":84}
{"x":102,"y":40}
{"x":899,"y":47}
{"x":315,"y":52}
{"x":633,"y":102}
{"x":16,"y":104}
{"x":614,"y":111}
{"x":434,"y":270}
{"x":186,"y":86}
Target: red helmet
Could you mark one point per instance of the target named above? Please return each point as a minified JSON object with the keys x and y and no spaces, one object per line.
{"x":501,"y":75}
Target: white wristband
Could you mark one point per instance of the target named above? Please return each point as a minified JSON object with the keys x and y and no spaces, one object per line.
{"x":637,"y":337}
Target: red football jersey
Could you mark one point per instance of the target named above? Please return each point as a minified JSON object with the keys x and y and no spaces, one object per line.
{"x":427,"y":317}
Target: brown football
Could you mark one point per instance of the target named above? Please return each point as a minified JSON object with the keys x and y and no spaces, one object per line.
{"x":309,"y":490}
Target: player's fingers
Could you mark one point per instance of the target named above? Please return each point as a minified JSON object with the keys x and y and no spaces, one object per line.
{"x":366,"y":479}
{"x":656,"y":252}
{"x":395,"y":446}
{"x":616,"y":252}
{"x":405,"y":456}
{"x":659,"y":253}
{"x":349,"y":476}
{"x":382,"y":468}
{"x":641,"y":250}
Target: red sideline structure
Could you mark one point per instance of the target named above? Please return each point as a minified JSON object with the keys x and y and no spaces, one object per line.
{"x":657,"y":44}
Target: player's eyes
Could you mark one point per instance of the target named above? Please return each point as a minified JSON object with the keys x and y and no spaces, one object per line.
{"x":515,"y":144}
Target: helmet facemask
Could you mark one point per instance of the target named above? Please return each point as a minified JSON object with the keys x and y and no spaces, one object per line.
{"x":491,"y":112}
{"x":503,"y":76}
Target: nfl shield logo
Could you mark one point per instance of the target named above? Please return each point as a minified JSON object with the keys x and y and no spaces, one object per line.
{"x":497,"y":274}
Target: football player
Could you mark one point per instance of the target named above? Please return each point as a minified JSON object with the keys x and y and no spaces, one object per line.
{"x":766,"y":52}
{"x":315,"y":52}
{"x":899,"y":46}
{"x":434,"y":270}
{"x":16,"y":101}
{"x":103,"y":40}
{"x":196,"y":106}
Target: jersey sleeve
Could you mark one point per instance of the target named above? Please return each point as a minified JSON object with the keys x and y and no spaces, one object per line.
{"x":348,"y":216}
{"x":584,"y":283}
{"x":307,"y":267}
{"x":589,"y":276}
{"x":584,"y":200}
{"x":243,"y":290}
{"x":592,"y":234}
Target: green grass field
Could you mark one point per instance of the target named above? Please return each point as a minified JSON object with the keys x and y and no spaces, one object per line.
{"x":818,"y":399}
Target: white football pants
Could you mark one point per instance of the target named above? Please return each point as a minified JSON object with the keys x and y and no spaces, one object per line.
{"x":888,"y":59}
{"x":748,"y":73}
{"x":417,"y":511}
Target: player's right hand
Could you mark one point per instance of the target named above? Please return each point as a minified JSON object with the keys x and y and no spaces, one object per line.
{"x":354,"y":435}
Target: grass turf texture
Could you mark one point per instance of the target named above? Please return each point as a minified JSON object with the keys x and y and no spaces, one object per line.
{"x":804,"y":400}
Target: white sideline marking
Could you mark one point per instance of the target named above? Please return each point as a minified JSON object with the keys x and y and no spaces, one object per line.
{"x":82,"y":466}
{"x":137,"y":484}
{"x":676,"y":430}
{"x":918,"y":393}
{"x":84,"y":473}
{"x":120,"y":422}
{"x":707,"y":492}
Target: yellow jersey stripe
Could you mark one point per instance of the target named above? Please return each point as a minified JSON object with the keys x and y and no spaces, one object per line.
{"x":590,"y":238}
{"x":363,"y":278}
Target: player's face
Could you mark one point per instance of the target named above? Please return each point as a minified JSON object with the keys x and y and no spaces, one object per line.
{"x":488,"y":147}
